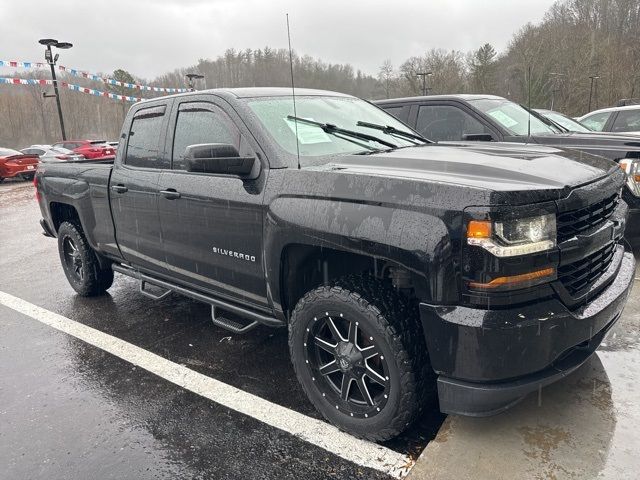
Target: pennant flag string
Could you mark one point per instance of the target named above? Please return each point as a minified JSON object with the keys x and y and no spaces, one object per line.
{"x":91,"y":76}
{"x":68,"y":86}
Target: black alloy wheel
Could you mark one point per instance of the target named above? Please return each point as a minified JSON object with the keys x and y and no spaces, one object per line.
{"x":72,"y":258}
{"x":359,"y":354}
{"x":352,"y":368}
{"x":80,"y":263}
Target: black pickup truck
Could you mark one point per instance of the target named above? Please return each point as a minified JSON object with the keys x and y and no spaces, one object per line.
{"x":396,"y":264}
{"x":455,"y":118}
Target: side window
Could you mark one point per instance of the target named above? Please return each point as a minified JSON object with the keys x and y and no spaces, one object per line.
{"x":399,"y":112}
{"x":627,"y":121}
{"x":596,"y":121}
{"x":447,"y":123}
{"x":143,"y":148}
{"x":196,"y":125}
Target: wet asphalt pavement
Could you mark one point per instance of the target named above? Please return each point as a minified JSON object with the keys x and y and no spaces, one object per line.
{"x":71,"y":410}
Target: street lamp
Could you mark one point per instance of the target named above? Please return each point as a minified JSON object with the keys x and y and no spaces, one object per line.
{"x":191,"y":77}
{"x":592,"y":77}
{"x":51,"y":60}
{"x":424,"y":76}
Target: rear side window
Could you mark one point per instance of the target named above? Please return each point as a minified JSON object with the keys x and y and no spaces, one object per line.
{"x":196,"y":125}
{"x":143,"y":148}
{"x":627,"y":121}
{"x":596,"y":121}
{"x":399,"y":112}
{"x":447,"y":123}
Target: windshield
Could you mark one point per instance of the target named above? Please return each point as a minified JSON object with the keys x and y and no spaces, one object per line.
{"x":343,"y":112}
{"x":512,"y":117}
{"x":566,"y":122}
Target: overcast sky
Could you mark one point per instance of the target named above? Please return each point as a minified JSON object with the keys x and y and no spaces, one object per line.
{"x":150,"y":37}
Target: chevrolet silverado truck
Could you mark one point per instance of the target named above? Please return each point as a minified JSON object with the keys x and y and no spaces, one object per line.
{"x":446,"y":118}
{"x":400,"y":267}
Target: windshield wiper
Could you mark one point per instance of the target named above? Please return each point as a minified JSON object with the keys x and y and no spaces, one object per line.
{"x":389,"y":130}
{"x":333,"y":129}
{"x":546,"y":120}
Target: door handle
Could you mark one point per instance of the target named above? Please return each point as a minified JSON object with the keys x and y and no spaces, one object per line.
{"x":119,"y":188}
{"x":170,"y":194}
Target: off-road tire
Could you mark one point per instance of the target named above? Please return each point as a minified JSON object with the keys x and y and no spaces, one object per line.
{"x":94,"y":280}
{"x":393,"y":321}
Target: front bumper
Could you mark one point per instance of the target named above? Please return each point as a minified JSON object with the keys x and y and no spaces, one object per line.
{"x":488,"y":360}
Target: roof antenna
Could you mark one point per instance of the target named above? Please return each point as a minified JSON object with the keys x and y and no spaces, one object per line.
{"x":529,"y":105}
{"x":293,"y":92}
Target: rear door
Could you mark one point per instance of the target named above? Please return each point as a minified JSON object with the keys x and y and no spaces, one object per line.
{"x":134,"y":188}
{"x":212,"y":224}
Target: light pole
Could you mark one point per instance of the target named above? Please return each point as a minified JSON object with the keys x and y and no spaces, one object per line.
{"x":592,"y":77}
{"x":51,"y":60}
{"x":191,"y":77}
{"x":424,"y":76}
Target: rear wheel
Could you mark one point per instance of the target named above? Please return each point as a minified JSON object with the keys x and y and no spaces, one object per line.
{"x":359,"y":355}
{"x":80,"y":263}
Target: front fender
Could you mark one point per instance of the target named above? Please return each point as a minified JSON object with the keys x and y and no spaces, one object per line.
{"x":417,"y":240}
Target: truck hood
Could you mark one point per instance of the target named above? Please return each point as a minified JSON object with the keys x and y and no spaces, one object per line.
{"x":609,"y":141}
{"x":494,"y":166}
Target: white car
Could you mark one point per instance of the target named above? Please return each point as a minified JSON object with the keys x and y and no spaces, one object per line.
{"x":47,"y":153}
{"x":614,"y":119}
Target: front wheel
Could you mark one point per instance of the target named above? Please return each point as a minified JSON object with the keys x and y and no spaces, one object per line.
{"x":359,"y":355}
{"x":80,"y":263}
{"x":27,"y":176}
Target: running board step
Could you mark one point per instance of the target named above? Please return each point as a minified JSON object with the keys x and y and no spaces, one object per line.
{"x":147,"y":293}
{"x":167,"y":287}
{"x":233,"y":326}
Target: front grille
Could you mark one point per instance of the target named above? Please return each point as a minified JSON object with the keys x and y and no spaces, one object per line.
{"x":573,"y":222}
{"x":581,"y":274}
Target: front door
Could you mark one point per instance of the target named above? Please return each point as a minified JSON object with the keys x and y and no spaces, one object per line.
{"x":212,"y":224}
{"x":134,"y":190}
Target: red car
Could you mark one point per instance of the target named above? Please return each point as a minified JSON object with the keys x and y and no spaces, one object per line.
{"x":14,"y":163}
{"x":93,"y":149}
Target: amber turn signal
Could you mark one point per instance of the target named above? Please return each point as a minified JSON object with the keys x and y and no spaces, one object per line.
{"x":479,"y":229}
{"x":515,"y":280}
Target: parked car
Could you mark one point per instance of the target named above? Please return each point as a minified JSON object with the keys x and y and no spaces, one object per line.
{"x":14,"y":163}
{"x":615,"y":119}
{"x":92,"y":149}
{"x":47,"y":153}
{"x":497,"y":268}
{"x":455,"y":118}
{"x":560,"y":119}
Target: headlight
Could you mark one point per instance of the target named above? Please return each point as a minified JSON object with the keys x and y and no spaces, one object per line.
{"x":514,"y":237}
{"x":631,"y":167}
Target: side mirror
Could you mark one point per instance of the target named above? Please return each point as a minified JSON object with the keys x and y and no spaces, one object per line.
{"x":477,"y":137}
{"x":220,"y":159}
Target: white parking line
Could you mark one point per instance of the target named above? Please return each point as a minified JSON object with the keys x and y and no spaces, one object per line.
{"x":309,"y":429}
